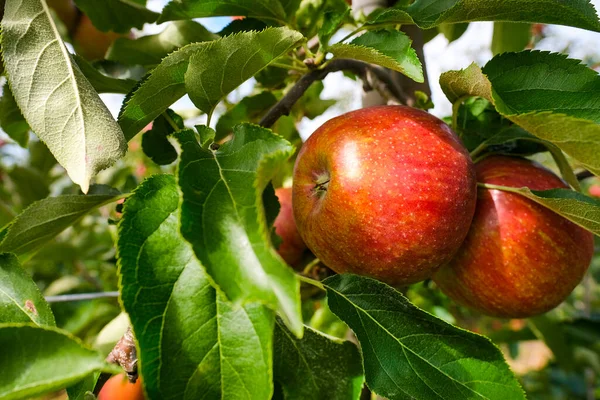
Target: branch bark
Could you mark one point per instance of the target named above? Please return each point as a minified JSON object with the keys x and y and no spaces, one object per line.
{"x":362,"y":69}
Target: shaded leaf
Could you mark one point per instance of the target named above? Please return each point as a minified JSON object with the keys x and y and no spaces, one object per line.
{"x":316,"y":366}
{"x":11,"y":119}
{"x":390,"y":49}
{"x":58,"y":102}
{"x":45,"y":219}
{"x":38,"y":360}
{"x":103,"y":83}
{"x":223,"y":217}
{"x":249,"y":109}
{"x":510,"y":36}
{"x":188,"y":9}
{"x":155,"y":143}
{"x":409,"y":354}
{"x":116,"y":15}
{"x":193,"y":343}
{"x":20,"y":298}
{"x":151,"y":49}
{"x":574,"y":206}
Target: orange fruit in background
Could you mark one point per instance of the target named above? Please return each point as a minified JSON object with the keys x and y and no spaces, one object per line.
{"x":90,"y":42}
{"x":119,"y":388}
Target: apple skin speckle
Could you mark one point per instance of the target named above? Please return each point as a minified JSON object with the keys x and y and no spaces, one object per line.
{"x":519,"y":259}
{"x":400,"y":196}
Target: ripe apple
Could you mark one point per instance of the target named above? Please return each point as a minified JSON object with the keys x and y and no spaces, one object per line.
{"x":118,"y":387}
{"x":519,"y":259}
{"x":90,"y":42}
{"x":387,"y":192}
{"x":292,"y":246}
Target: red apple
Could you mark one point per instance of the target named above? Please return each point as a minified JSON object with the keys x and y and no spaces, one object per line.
{"x":292,"y":246}
{"x":519,"y":259}
{"x":118,"y":387}
{"x":387,"y":192}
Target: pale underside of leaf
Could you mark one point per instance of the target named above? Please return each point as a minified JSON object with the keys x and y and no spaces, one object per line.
{"x":57,"y":101}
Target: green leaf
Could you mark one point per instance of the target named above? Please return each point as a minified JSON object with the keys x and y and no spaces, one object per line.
{"x":465,"y":83}
{"x":193,"y":343}
{"x":409,"y":354}
{"x":390,"y":49}
{"x":81,"y":388}
{"x":11,"y":120}
{"x":331,"y":22}
{"x":45,"y":219}
{"x":316,"y":366}
{"x":150,"y":50}
{"x":574,"y":206}
{"x":167,"y":82}
{"x":58,"y":102}
{"x":311,"y":105}
{"x":103,"y":83}
{"x":38,"y":360}
{"x":577,"y":13}
{"x":550,"y":96}
{"x":155,"y":143}
{"x":223,"y":217}
{"x":188,"y":9}
{"x":222,"y":65}
{"x":249,"y":109}
{"x":510,"y":36}
{"x":453,"y":32}
{"x":20,"y":298}
{"x":554,"y":334}
{"x":116,"y":15}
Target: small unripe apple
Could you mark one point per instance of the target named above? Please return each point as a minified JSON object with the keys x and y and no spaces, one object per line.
{"x":387,"y":192}
{"x":90,"y":42}
{"x":519,"y":259}
{"x":292,"y":246}
{"x":118,"y":387}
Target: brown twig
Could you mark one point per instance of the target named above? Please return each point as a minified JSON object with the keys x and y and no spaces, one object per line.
{"x":284,"y":106}
{"x":584,"y":175}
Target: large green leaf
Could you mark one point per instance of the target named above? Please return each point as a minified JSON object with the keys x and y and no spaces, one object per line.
{"x":45,"y":219}
{"x":549,"y":95}
{"x":193,"y":343}
{"x":390,"y":49}
{"x":38,"y":360}
{"x":409,"y":354}
{"x":188,"y":9}
{"x":20,"y":298}
{"x":574,"y":206}
{"x":170,"y":80}
{"x":429,"y":13}
{"x":59,"y":104}
{"x":223,"y":217}
{"x":222,"y":65}
{"x":151,"y":49}
{"x":116,"y":15}
{"x":103,"y":83}
{"x":316,"y":366}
